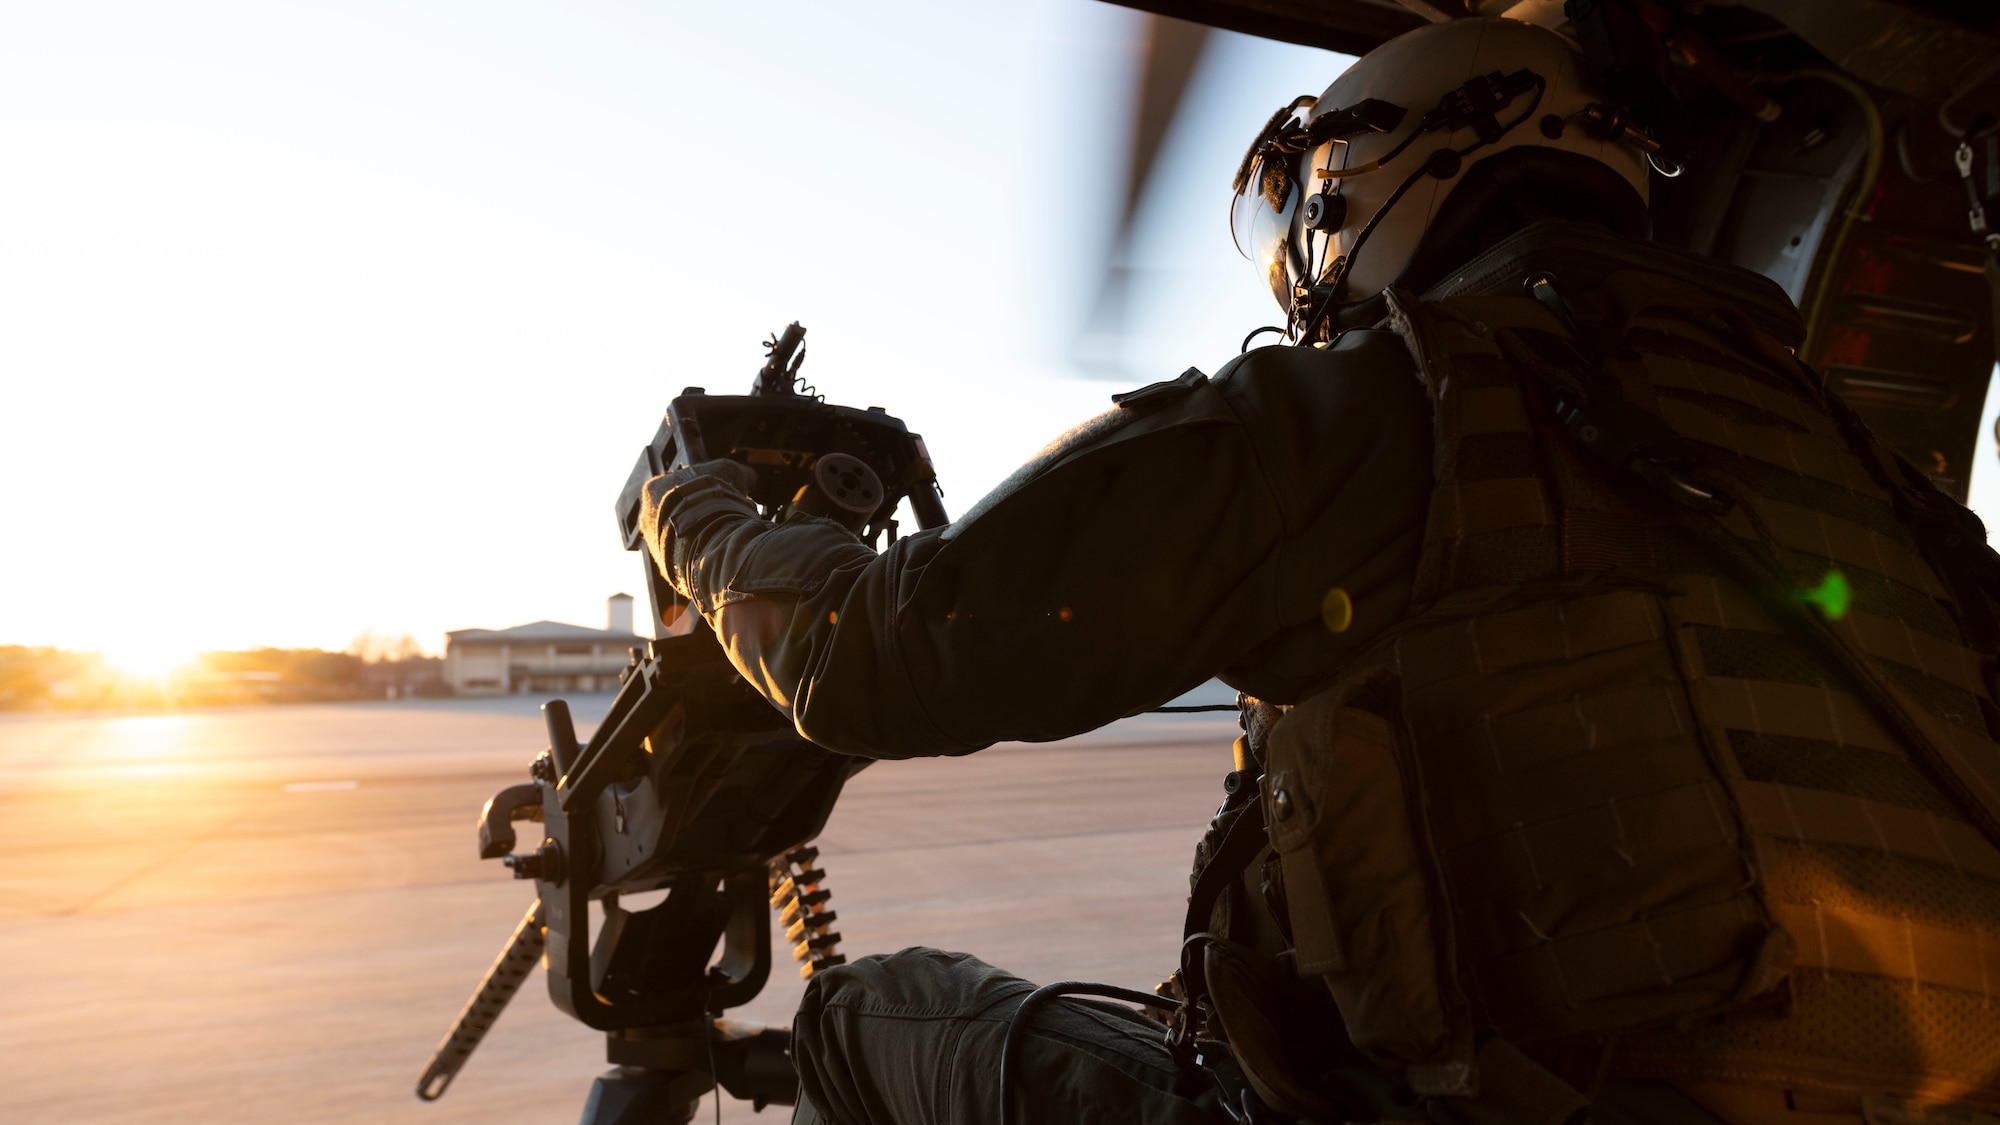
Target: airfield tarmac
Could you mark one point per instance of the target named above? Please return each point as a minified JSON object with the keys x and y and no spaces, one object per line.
{"x":273,"y":914}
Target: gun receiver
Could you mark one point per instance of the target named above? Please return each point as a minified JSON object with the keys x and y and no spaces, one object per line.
{"x":692,"y":784}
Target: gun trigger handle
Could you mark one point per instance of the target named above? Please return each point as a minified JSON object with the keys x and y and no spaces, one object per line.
{"x":496,"y":820}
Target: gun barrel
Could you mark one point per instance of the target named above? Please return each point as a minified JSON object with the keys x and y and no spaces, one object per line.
{"x":775,"y":378}
{"x":502,"y":981}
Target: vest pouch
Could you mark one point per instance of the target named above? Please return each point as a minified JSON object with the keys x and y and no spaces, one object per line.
{"x":1243,"y":996}
{"x":1358,"y":890}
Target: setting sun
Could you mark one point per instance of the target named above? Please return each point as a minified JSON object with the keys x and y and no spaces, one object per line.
{"x":149,"y":661}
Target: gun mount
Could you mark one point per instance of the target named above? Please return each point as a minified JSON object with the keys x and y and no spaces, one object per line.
{"x":693,"y":784}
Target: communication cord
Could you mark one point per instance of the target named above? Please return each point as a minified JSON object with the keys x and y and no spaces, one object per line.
{"x":708,"y":1041}
{"x":1019,"y":1023}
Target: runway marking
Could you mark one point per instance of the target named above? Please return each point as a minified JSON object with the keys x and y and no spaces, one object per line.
{"x":320,"y":786}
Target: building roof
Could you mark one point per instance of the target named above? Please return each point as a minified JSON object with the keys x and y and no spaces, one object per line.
{"x":542,"y":631}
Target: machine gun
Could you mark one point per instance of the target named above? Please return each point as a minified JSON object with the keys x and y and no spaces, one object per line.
{"x":693,"y":784}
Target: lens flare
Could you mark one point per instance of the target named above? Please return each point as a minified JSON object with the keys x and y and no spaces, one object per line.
{"x":1337,"y":610}
{"x":1833,"y":595}
{"x":143,"y":661}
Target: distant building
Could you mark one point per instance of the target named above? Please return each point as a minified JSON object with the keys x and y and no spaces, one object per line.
{"x":543,"y":656}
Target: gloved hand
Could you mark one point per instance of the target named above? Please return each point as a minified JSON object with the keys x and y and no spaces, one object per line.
{"x":677,"y":505}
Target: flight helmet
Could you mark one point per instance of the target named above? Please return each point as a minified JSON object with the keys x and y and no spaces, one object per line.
{"x":1338,"y":194}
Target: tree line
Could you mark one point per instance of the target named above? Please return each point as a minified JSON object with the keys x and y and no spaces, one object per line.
{"x":374,"y":667}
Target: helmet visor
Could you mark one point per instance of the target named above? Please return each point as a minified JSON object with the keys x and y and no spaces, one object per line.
{"x":1262,"y":229}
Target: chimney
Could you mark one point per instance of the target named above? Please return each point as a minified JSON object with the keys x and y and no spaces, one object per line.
{"x":618,"y":613}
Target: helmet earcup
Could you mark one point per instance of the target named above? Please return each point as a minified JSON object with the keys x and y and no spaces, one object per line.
{"x":1326,"y":211}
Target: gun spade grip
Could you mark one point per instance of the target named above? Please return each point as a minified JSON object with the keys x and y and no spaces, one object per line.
{"x":562,"y":735}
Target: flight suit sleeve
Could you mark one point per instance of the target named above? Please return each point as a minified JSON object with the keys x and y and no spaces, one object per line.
{"x":1196,"y":528}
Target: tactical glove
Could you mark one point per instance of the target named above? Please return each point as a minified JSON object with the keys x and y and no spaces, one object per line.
{"x":677,"y":506}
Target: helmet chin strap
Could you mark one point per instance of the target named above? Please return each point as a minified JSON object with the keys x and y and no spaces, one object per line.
{"x":1475,"y":105}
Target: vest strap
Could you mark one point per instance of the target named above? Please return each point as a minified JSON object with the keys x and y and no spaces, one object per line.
{"x":1815,"y":816}
{"x":1846,"y":941}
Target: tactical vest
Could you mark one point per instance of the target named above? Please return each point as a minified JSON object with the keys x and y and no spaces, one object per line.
{"x":1700,"y":789}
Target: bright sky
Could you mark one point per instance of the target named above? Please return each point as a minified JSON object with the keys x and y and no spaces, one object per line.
{"x":323,"y":317}
{"x":332,"y":316}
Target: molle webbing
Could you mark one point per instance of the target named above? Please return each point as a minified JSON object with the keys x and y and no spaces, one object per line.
{"x":1648,"y":806}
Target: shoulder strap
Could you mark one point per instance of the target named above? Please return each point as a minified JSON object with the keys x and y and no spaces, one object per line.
{"x":1241,"y":842}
